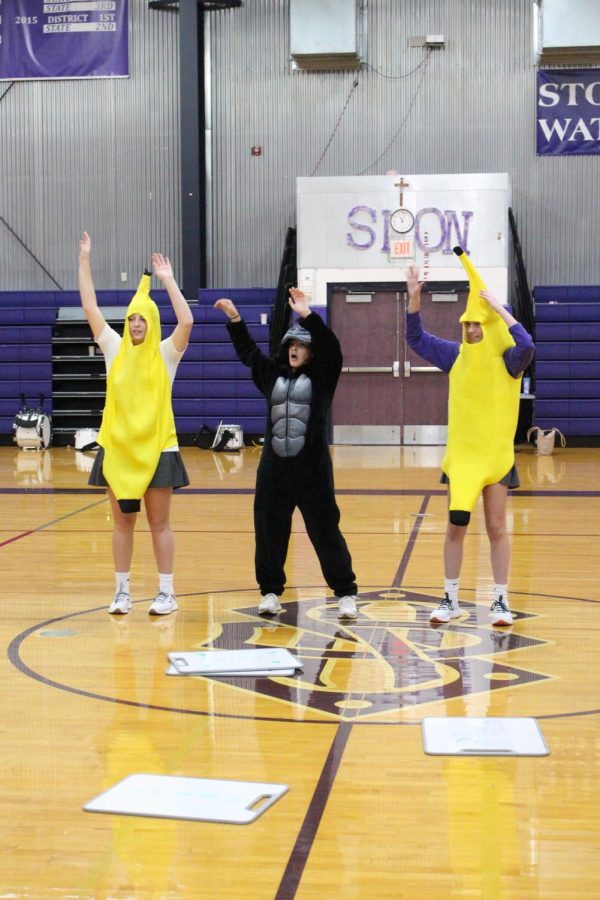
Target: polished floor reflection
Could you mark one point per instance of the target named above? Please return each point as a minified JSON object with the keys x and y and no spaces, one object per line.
{"x":87,"y":700}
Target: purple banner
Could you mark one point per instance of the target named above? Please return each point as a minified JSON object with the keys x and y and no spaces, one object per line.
{"x":568,"y":112}
{"x":71,"y":39}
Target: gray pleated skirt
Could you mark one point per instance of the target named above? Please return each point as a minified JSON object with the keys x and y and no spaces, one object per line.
{"x":170,"y":471}
{"x":511,"y":479}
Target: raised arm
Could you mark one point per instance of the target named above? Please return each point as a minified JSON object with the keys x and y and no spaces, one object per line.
{"x":87,"y":293}
{"x":413,"y":286}
{"x":299,"y":302}
{"x":249,"y":353}
{"x":164,"y":272}
{"x":498,"y":307}
{"x":327,"y":353}
{"x":228,"y":307}
{"x":438,"y":351}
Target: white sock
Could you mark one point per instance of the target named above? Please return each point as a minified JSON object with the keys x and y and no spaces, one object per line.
{"x":451,"y":588}
{"x":165,"y":584}
{"x":122,"y":582}
{"x":501,"y":590}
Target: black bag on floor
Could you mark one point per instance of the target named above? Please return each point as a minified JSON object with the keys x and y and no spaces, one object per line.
{"x":204,"y":438}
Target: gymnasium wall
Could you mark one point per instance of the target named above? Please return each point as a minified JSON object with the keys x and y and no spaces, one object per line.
{"x":104,"y":154}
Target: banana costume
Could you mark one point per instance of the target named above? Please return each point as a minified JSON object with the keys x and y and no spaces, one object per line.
{"x":483,"y":406}
{"x":137,"y":423}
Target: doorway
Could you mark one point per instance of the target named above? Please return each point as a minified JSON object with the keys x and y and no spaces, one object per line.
{"x":386,"y":393}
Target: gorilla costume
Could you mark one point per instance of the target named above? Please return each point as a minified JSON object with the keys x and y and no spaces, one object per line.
{"x":295,"y":468}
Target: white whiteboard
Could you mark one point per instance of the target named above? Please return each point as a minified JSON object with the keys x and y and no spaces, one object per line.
{"x":176,"y":797}
{"x":214,"y":662}
{"x":483,"y":737}
{"x":255,"y":673}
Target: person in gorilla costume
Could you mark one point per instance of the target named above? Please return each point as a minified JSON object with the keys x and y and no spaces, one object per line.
{"x":295,"y":468}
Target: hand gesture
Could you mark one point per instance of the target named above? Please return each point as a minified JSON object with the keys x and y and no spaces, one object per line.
{"x":413,"y":284}
{"x":162,"y":266}
{"x":228,"y":307}
{"x":299,"y":302}
{"x":85,"y":246}
{"x":494,"y":303}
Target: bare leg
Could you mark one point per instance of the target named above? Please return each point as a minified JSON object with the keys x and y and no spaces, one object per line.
{"x":122,"y":537}
{"x":158,"y":507}
{"x":453,"y":556}
{"x":494,"y":506}
{"x":453,"y":550}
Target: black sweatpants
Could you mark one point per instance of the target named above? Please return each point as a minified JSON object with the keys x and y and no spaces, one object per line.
{"x":281,"y":486}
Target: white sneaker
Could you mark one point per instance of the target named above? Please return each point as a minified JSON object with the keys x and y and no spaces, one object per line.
{"x":163,"y":604}
{"x":448,"y":609}
{"x":500,"y":612}
{"x":121,"y":604}
{"x":269,"y":605}
{"x":347,"y":608}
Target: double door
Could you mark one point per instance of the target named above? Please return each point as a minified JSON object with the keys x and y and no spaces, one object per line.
{"x":386,"y":393}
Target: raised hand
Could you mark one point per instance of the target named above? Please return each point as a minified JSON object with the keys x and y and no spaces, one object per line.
{"x":162,"y":266}
{"x":299,"y":302}
{"x":85,"y":246}
{"x":494,"y":303}
{"x":413,"y":286}
{"x":227,"y":306}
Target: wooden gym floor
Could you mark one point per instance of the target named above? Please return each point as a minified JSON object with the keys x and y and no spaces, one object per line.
{"x":86,"y":701}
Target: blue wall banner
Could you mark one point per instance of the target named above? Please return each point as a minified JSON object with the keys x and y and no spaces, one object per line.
{"x":568,"y":112}
{"x":66,"y":39}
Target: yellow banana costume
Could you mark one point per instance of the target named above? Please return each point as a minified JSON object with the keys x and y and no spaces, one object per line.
{"x":137,"y":423}
{"x":483,"y":405}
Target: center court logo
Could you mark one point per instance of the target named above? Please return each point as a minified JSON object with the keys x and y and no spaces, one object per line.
{"x":385,"y":663}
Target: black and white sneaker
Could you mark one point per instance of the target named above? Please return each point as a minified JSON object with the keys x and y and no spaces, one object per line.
{"x":500,"y":612}
{"x":163,"y":604}
{"x":448,"y":609}
{"x":121,"y":604}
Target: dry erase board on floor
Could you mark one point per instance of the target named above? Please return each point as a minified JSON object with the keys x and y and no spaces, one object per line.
{"x":483,"y":737}
{"x":215,"y":662}
{"x":177,"y":797}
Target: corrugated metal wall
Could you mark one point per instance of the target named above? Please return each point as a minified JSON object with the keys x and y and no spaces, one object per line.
{"x":99,"y":154}
{"x":104,"y":154}
{"x":473,"y":112}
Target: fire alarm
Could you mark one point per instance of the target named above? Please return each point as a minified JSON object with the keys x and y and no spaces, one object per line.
{"x":256,"y":151}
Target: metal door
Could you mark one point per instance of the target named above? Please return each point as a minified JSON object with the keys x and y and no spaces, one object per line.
{"x":386,"y":393}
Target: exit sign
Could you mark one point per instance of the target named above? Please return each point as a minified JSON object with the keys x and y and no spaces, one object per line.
{"x":402,"y":248}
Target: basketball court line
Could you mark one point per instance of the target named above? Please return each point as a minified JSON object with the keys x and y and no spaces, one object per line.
{"x":308,"y":830}
{"x":29,"y":532}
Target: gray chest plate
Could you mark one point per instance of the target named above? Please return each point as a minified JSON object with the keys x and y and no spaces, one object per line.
{"x":290,"y":411}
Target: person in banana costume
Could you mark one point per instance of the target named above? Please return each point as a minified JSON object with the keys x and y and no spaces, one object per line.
{"x":139,"y":455}
{"x":485,"y":371}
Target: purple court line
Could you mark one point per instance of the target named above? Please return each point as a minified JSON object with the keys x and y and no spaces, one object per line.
{"x":300,"y":852}
{"x":24,"y":534}
{"x":351,"y":492}
{"x":410,"y":543}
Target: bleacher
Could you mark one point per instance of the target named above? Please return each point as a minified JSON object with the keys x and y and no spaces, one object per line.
{"x":567,"y":360}
{"x":46,"y":350}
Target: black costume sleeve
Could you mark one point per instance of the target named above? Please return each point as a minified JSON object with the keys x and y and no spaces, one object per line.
{"x":261,"y":365}
{"x":327,"y":353}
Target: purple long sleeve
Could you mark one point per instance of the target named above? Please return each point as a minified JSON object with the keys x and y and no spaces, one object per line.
{"x":442,"y":353}
{"x":435,"y":350}
{"x":517,"y":358}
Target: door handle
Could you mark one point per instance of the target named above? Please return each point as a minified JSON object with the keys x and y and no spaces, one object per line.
{"x":352,"y":370}
{"x":416,"y":370}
